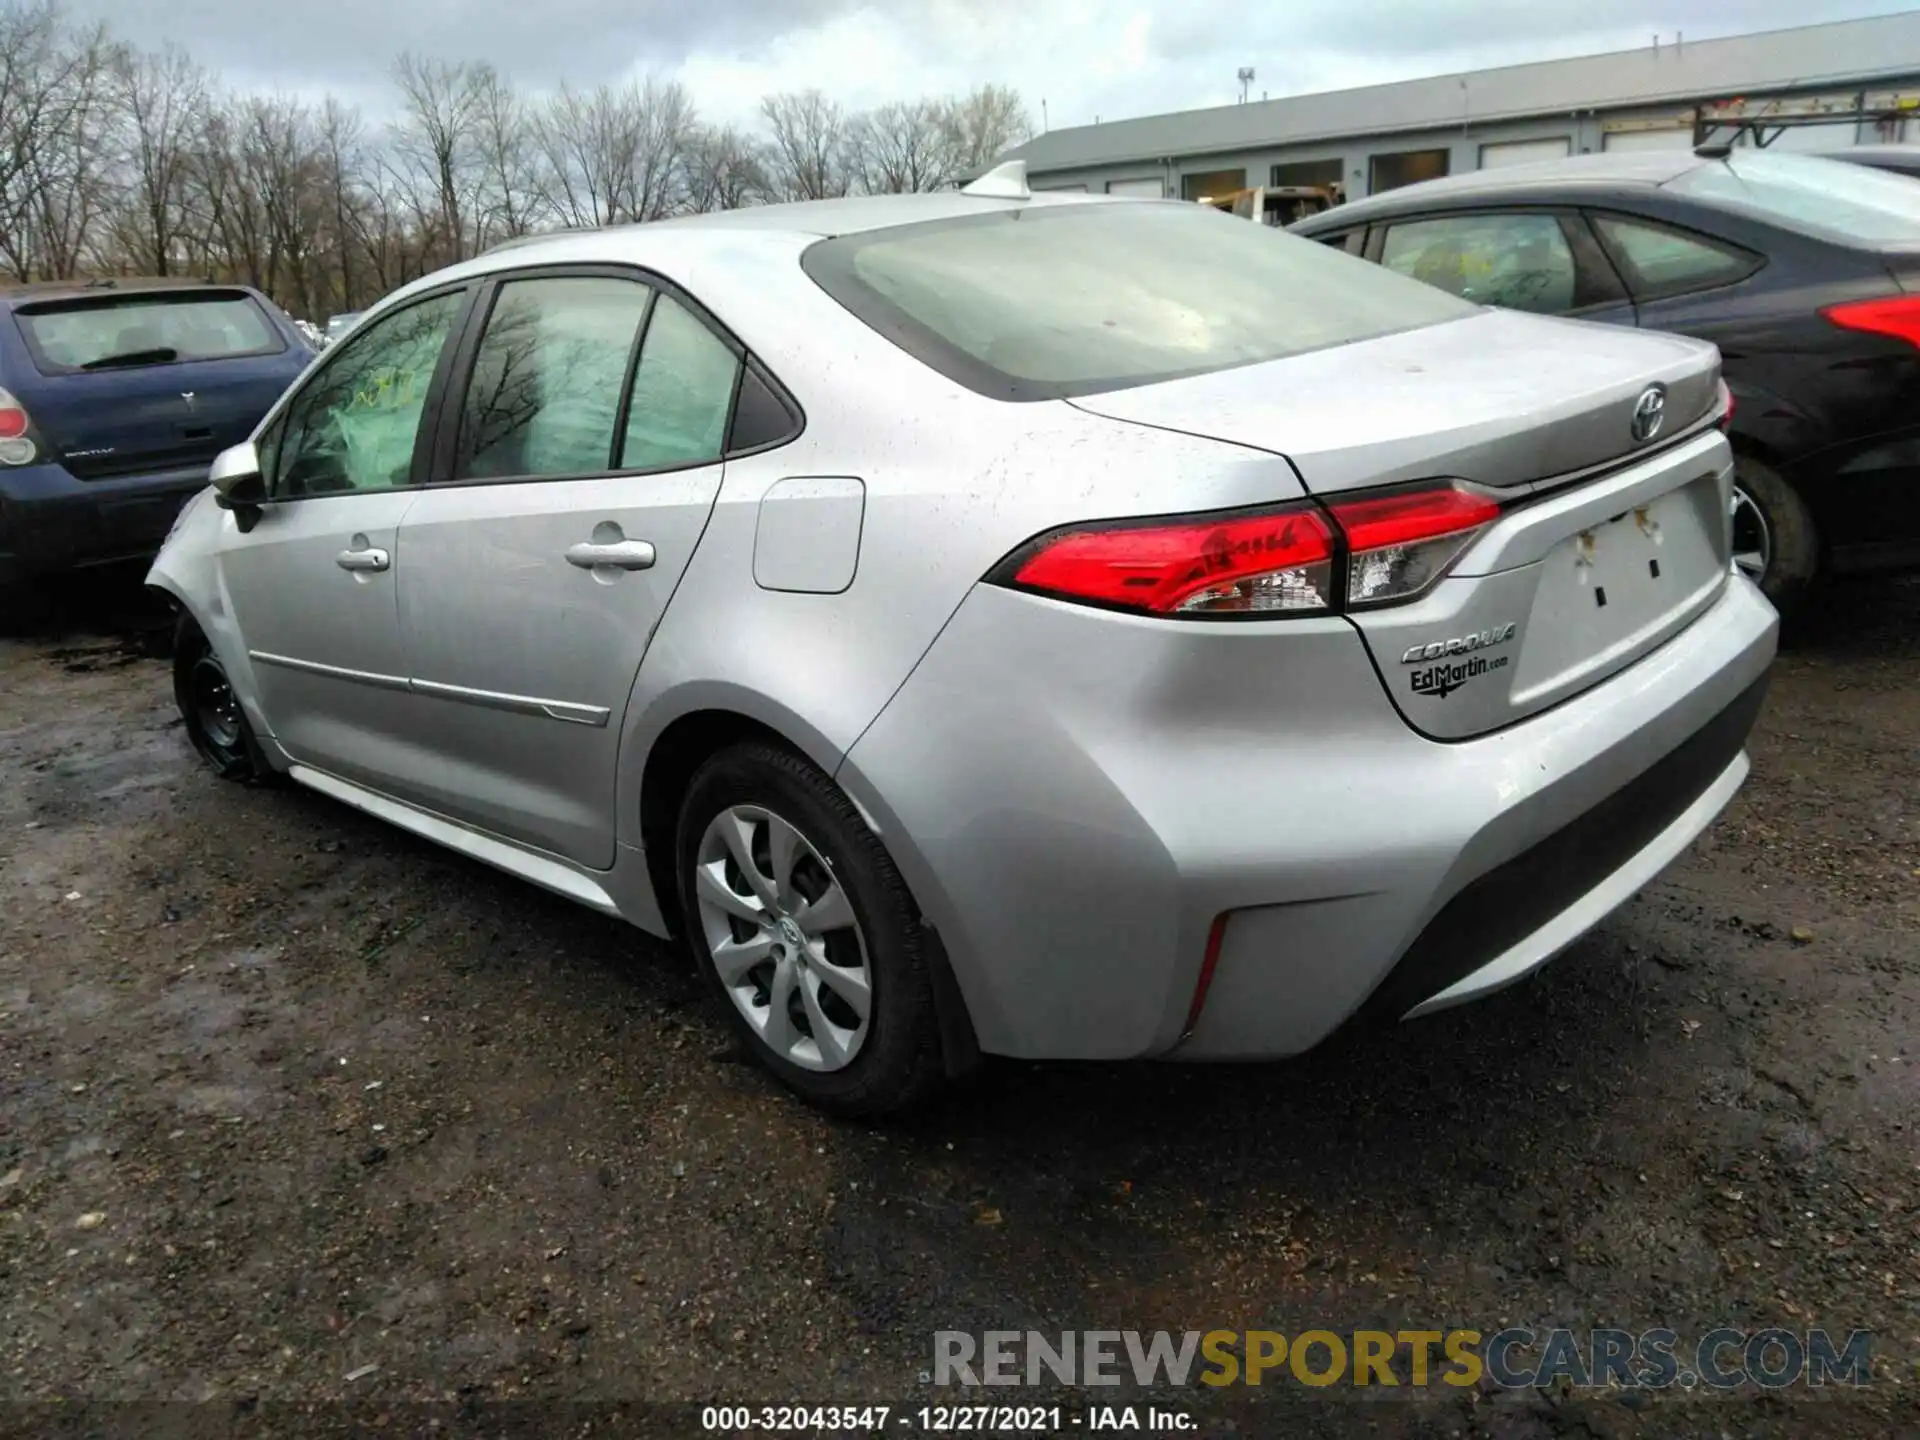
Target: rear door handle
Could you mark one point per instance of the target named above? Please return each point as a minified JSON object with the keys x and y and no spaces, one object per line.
{"x":368,"y":559}
{"x":621,"y":555}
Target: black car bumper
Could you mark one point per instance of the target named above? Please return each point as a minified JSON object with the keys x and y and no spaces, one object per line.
{"x":50,"y":521}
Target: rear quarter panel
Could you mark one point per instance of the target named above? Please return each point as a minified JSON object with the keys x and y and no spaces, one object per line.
{"x":953,"y":481}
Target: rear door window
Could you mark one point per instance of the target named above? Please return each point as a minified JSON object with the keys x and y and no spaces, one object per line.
{"x":157,"y":329}
{"x":547,"y":381}
{"x":1516,"y":261}
{"x":682,"y":392}
{"x":1656,"y":260}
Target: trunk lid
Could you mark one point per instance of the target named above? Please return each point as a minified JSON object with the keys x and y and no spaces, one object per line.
{"x":1612,"y":540}
{"x":1503,"y":399}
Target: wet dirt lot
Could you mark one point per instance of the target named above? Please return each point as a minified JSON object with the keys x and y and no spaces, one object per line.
{"x":296,"y":1108}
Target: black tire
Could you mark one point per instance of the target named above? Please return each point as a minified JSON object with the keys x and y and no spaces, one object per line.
{"x":899,"y":1063}
{"x":1777,"y":518}
{"x":214,"y":719}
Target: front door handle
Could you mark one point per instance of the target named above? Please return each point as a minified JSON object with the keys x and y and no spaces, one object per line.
{"x":621,"y":555}
{"x":368,"y":559}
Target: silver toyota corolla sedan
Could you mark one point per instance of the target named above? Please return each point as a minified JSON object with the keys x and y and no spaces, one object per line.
{"x":1031,"y":625}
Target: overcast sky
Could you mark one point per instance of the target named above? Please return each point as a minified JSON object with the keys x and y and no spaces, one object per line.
{"x":1085,"y":58}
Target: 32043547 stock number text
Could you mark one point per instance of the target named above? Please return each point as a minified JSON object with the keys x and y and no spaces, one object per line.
{"x":875,"y":1419}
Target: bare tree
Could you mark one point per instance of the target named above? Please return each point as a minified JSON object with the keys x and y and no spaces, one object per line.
{"x":56,"y":134}
{"x":435,"y":155}
{"x":113,"y":159}
{"x":162,"y":99}
{"x":983,"y":123}
{"x":907,"y":146}
{"x":283,"y":167}
{"x":341,"y":158}
{"x":665,"y":121}
{"x":724,"y":170}
{"x":809,"y":150}
{"x":589,"y":143}
{"x":231,"y":220}
{"x":508,"y":160}
{"x":613,"y":155}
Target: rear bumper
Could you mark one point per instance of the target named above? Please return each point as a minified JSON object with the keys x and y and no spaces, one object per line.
{"x":1106,"y":788}
{"x":50,"y":521}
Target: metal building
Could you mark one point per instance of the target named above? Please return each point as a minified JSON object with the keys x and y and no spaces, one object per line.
{"x":1815,"y":87}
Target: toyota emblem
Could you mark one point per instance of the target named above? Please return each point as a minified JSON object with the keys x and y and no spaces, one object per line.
{"x":1649,"y":411}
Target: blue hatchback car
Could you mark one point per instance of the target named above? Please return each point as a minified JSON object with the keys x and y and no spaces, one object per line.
{"x":114,"y":399}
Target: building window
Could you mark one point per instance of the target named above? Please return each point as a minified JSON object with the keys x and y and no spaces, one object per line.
{"x":1313,"y":173}
{"x":1524,"y":152}
{"x":1213,"y":184}
{"x":1151,"y":189}
{"x":1407,"y":167}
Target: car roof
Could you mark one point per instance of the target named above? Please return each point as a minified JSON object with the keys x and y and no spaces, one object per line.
{"x":814,"y":219}
{"x":1900,"y":154}
{"x":1512,"y":182}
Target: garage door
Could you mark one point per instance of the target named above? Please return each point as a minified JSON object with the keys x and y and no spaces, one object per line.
{"x":1149,"y":189}
{"x":1524,"y":152}
{"x":1650,"y":140}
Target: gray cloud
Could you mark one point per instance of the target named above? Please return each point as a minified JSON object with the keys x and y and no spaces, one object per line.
{"x":315,"y":42}
{"x":1195,"y":45}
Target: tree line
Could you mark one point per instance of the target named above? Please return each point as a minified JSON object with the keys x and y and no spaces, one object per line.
{"x":119,"y":161}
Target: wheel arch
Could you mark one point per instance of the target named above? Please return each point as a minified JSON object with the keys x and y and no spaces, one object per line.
{"x":723,"y":716}
{"x":187,"y":575}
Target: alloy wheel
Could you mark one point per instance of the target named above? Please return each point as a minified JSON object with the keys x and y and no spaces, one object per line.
{"x":784,"y":938}
{"x":1752,"y":537}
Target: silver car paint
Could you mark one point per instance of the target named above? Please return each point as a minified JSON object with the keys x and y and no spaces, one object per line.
{"x":1448,"y":400}
{"x":1672,"y":508}
{"x":324,"y":642}
{"x":1131,"y":842}
{"x":1106,"y":787}
{"x":522,"y":661}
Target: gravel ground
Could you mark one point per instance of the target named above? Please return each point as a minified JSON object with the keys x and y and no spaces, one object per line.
{"x":297,"y":1110}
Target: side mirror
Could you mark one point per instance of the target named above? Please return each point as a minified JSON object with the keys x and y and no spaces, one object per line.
{"x":238,"y":484}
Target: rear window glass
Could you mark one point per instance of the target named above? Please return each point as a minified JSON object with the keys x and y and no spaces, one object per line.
{"x":1050,"y":301}
{"x":1853,"y":203}
{"x":146,"y":330}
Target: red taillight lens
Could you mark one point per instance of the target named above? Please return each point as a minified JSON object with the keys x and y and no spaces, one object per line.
{"x":16,"y":445}
{"x":1275,"y":562}
{"x":1898,"y":317}
{"x":1400,"y":544}
{"x":1725,"y":422}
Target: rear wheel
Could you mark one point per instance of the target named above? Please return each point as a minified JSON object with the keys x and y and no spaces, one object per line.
{"x":1775,"y":544}
{"x":796,"y":913}
{"x":211,"y":710}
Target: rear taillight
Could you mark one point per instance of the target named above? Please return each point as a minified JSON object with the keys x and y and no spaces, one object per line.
{"x":1399,"y":544}
{"x":1274,"y":562}
{"x":1725,"y":422}
{"x":1270,"y":563}
{"x":1897,"y":317}
{"x":16,"y":441}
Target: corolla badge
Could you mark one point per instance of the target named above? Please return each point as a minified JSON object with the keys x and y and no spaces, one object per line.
{"x":1649,"y":413}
